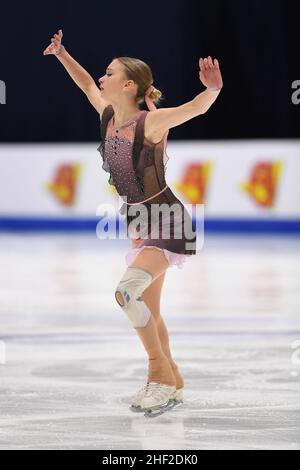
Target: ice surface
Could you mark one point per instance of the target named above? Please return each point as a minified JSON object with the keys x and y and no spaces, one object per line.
{"x":71,"y":361}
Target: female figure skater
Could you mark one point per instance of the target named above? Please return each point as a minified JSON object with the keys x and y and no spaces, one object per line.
{"x":133,"y":151}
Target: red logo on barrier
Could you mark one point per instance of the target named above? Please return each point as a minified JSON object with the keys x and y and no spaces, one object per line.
{"x":194,"y":182}
{"x":64,"y":184}
{"x":263,"y":183}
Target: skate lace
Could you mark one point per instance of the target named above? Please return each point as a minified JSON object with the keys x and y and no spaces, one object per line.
{"x":155,"y":388}
{"x":145,"y":388}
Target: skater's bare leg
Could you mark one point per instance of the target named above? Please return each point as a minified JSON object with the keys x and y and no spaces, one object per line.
{"x":152,"y":298}
{"x":160,"y":370}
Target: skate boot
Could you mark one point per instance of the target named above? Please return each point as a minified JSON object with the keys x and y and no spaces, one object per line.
{"x":137,"y":398}
{"x":158,"y":398}
{"x":178,"y":396}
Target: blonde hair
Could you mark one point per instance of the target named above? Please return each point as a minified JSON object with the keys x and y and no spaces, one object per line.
{"x":141,"y":74}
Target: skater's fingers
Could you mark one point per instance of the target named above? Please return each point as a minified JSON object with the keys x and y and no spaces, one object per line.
{"x":210,"y":62}
{"x":202,"y":64}
{"x":47,"y":51}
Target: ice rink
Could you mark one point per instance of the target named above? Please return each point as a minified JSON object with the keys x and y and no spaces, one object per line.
{"x":70,"y":361}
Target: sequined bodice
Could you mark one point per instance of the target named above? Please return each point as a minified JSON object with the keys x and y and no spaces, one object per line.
{"x":118,"y":148}
{"x":136,"y":165}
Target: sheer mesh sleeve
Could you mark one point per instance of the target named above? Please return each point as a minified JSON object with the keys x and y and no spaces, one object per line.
{"x":105,"y":164}
{"x":106,"y":115}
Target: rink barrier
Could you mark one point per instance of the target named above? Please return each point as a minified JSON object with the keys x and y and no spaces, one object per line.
{"x":212,"y":225}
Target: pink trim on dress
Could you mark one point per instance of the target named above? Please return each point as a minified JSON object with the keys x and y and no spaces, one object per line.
{"x":175,"y":259}
{"x":145,"y":200}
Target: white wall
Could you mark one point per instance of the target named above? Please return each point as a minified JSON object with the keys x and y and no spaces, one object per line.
{"x":222,"y":168}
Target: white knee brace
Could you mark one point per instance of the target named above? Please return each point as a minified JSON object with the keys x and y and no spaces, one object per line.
{"x":131,"y":286}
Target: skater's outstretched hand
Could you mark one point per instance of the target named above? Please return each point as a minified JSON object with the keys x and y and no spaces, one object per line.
{"x":56,"y":46}
{"x":210,"y":74}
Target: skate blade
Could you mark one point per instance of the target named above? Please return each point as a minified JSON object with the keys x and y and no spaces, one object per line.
{"x":137,"y":409}
{"x":153,"y":412}
{"x":178,"y":402}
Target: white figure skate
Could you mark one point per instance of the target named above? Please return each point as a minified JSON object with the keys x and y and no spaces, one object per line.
{"x":159,"y":398}
{"x":137,"y":398}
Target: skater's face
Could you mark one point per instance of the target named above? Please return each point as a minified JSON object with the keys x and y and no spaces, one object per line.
{"x":115,"y":83}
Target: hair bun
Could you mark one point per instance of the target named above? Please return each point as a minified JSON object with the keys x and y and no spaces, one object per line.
{"x":149,"y":90}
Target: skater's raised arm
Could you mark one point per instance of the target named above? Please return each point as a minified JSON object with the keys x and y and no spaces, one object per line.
{"x":164,"y":119}
{"x":80,"y":76}
{"x":210,"y":76}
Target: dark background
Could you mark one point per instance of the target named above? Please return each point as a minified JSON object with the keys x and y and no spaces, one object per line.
{"x":256,"y":43}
